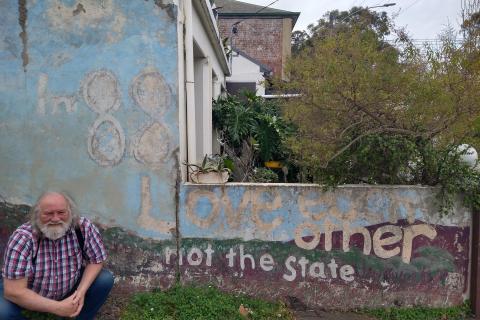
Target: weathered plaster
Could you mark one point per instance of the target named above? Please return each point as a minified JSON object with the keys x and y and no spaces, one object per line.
{"x":71,"y":121}
{"x":366,"y":243}
{"x":22,"y":20}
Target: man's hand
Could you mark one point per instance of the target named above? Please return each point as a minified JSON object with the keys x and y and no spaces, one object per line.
{"x":78,"y":299}
{"x":68,"y":307}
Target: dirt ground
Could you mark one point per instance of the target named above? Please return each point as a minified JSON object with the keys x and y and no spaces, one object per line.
{"x":323,"y":315}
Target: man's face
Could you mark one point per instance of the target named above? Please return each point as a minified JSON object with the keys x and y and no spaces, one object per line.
{"x":54,"y":217}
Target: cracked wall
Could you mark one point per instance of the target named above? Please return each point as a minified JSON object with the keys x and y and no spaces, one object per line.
{"x":88,"y":98}
{"x":353,"y":247}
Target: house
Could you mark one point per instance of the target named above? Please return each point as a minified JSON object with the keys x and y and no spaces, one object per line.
{"x":247,"y":73}
{"x":261,"y":34}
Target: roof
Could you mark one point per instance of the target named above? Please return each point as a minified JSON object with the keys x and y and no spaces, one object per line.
{"x":206,"y":15}
{"x":233,"y":8}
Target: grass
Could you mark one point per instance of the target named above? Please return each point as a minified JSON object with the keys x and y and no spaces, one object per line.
{"x":461,"y":312}
{"x":209,"y":303}
{"x":198,"y":303}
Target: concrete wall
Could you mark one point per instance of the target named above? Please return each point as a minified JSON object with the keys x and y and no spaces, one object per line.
{"x":88,"y":96}
{"x":88,"y":104}
{"x":357,"y":246}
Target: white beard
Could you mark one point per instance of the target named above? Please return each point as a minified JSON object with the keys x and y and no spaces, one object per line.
{"x":55,"y":231}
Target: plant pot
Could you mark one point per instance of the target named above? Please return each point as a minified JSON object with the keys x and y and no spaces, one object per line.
{"x":273,"y":164}
{"x":209,"y":177}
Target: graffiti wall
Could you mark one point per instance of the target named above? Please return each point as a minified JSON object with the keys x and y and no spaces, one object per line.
{"x":352,"y":247}
{"x":88,"y":104}
{"x":88,"y":95}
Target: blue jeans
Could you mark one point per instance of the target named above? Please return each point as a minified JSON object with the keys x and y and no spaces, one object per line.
{"x":94,"y":299}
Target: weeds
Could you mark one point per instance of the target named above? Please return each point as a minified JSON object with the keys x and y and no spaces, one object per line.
{"x":198,"y":303}
{"x":461,"y":312}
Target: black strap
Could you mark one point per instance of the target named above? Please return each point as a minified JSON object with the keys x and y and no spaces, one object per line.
{"x":81,"y":240}
{"x":81,"y":243}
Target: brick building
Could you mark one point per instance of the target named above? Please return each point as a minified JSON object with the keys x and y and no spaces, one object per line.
{"x":262,"y":34}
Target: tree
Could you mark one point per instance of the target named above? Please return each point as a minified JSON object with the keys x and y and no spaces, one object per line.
{"x":299,"y":38}
{"x":369,"y":112}
{"x":471,"y":19}
{"x":337,"y":21}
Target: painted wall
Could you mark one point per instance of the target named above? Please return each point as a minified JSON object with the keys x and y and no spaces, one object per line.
{"x":88,"y":104}
{"x":357,"y":246}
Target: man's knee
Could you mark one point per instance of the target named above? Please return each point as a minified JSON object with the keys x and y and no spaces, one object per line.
{"x":9,"y":310}
{"x":104,"y":280}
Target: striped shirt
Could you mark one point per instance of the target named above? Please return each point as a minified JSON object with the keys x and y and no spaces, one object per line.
{"x":58,"y":264}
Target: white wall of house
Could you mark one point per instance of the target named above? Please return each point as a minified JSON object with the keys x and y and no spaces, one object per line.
{"x":209,"y":79}
{"x":245,"y":70}
{"x":202,"y":77}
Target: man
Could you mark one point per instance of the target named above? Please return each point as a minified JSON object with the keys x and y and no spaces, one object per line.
{"x":47,"y":269}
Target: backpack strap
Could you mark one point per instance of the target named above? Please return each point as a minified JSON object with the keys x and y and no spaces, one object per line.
{"x":81,"y":243}
{"x":34,"y":258}
{"x":81,"y":240}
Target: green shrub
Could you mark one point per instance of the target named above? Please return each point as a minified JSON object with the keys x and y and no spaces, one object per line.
{"x":264,"y":175}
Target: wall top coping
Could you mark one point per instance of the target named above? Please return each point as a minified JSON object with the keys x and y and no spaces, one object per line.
{"x":312,"y":185}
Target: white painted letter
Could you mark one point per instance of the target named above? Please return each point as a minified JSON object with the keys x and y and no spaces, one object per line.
{"x":230,"y":256}
{"x":209,"y":252}
{"x":245,"y":256}
{"x":346,"y":273}
{"x":313,"y":270}
{"x":168,"y":254}
{"x":347,"y":234}
{"x":293,"y":274}
{"x":198,"y":253}
{"x":411,"y":232}
{"x":378,"y":243}
{"x":299,"y":236}
{"x":266,"y":262}
{"x":333,"y":268}
{"x":303,"y":263}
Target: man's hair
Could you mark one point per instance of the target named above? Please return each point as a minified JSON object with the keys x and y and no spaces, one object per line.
{"x":71,"y":207}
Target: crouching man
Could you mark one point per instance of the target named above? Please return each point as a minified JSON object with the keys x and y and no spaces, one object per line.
{"x":54,"y":263}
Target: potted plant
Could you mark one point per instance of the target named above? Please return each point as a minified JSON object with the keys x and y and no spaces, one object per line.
{"x":211,"y":170}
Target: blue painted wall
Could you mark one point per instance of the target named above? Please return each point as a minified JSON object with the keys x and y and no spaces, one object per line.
{"x":355,"y":246}
{"x":88,"y":104}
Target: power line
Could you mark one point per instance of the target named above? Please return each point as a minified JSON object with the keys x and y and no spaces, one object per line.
{"x":263,"y":8}
{"x":408,"y":7}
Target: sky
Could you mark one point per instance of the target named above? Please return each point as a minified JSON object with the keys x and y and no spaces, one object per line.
{"x":423,"y":19}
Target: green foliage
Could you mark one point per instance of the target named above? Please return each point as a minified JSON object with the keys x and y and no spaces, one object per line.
{"x":213,"y":163}
{"x":33,"y":315}
{"x":254,"y":121}
{"x":264,"y":175}
{"x":373,"y":113}
{"x":461,"y":312}
{"x":235,"y":120}
{"x":338,"y":21}
{"x":199,"y":303}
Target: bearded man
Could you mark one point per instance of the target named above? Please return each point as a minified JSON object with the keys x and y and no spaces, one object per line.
{"x":54,"y":263}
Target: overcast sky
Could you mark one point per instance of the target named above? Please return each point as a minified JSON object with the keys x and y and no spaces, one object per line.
{"x":423,"y":19}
